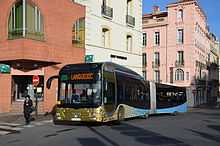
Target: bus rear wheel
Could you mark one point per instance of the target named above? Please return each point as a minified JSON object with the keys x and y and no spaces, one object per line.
{"x":121,"y":114}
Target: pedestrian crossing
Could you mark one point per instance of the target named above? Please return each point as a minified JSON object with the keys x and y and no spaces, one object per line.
{"x":10,"y":128}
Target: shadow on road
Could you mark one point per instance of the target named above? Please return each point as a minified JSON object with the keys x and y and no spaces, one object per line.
{"x":140,"y":135}
{"x":214,"y":127}
{"x":90,"y":141}
{"x":147,"y":137}
{"x":206,"y":135}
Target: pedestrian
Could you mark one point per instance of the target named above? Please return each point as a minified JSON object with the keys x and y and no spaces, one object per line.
{"x":28,"y":109}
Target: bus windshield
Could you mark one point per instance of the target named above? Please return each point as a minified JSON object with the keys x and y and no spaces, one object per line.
{"x":80,"y":93}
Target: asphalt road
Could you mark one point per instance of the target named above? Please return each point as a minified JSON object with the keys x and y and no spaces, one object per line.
{"x":200,"y":127}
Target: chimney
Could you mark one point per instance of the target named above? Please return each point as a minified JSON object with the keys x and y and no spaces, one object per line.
{"x":156,"y":9}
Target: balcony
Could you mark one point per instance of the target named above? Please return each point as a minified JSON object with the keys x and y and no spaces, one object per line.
{"x":179,"y":64}
{"x":107,"y":12}
{"x":155,"y":64}
{"x":130,"y":20}
{"x":28,"y":54}
{"x":18,"y":33}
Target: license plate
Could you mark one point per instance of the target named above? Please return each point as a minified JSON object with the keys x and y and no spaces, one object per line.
{"x":76,"y":119}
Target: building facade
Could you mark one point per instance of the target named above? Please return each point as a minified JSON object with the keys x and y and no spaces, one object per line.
{"x":114,"y":32}
{"x":213,"y":68}
{"x":36,"y":38}
{"x":177,"y":48}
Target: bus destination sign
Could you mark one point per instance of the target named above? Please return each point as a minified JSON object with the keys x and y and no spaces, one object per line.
{"x":82,"y":76}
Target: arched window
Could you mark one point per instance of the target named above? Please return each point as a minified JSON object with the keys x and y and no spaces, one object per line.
{"x":129,"y":42}
{"x":179,"y":75}
{"x":105,"y":37}
{"x":129,"y":7}
{"x":180,"y":14}
{"x":25,"y":21}
{"x":78,"y":33}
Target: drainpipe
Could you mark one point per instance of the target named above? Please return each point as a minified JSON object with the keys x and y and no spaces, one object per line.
{"x":13,"y":27}
{"x":166,"y":55}
{"x":36,"y":16}
{"x":24,"y":18}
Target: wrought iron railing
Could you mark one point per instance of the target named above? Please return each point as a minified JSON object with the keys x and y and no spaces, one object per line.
{"x":107,"y":11}
{"x":179,"y":63}
{"x":18,"y":33}
{"x":155,"y":64}
{"x":130,"y":20}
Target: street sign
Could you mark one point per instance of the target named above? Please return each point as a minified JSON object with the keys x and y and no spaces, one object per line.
{"x":4,"y":68}
{"x":89,"y":58}
{"x":35,"y":80}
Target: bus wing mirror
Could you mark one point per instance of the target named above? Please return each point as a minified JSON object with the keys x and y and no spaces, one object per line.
{"x":106,"y":85}
{"x":105,"y":100}
{"x":49,"y":81}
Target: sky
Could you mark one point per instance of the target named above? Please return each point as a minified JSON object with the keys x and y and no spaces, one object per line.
{"x":210,"y":7}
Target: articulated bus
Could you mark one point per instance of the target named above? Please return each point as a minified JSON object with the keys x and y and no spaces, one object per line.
{"x":100,"y":92}
{"x":167,"y":99}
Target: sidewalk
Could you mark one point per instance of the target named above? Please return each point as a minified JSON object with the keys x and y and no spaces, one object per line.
{"x":208,"y":106}
{"x":203,"y":108}
{"x":18,"y":118}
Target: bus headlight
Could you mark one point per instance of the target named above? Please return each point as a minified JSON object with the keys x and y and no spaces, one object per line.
{"x":92,"y":114}
{"x":98,"y":111}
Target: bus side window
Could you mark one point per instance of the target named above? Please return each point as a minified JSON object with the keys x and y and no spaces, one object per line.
{"x":120,"y":93}
{"x":128,"y":92}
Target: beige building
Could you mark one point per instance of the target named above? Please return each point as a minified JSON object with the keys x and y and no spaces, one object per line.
{"x":114,"y":32}
{"x":213,"y":67}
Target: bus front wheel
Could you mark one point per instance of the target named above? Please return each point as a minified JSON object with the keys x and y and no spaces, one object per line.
{"x":121,"y":114}
{"x":175,"y":113}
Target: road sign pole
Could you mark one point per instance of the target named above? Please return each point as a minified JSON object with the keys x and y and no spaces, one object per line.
{"x":35,"y":82}
{"x":36,"y":106}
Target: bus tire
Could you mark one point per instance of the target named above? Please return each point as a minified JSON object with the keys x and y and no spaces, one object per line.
{"x":121,"y":114}
{"x":146,"y":116}
{"x":175,"y":113}
{"x":55,"y":122}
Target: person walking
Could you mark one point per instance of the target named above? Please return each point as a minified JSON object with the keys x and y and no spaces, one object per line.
{"x":27,"y":109}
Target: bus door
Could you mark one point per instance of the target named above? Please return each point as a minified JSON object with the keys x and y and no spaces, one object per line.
{"x":109,"y":91}
{"x":153,"y":102}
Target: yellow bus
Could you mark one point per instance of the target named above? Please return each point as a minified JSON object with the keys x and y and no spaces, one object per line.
{"x":99,"y":92}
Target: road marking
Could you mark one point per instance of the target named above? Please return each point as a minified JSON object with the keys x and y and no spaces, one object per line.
{"x":4,"y":132}
{"x":9,"y":128}
{"x":10,"y":124}
{"x":28,"y":126}
{"x":37,"y":123}
{"x":47,"y":121}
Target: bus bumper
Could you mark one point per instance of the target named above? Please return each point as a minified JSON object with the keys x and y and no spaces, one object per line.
{"x":78,"y":115}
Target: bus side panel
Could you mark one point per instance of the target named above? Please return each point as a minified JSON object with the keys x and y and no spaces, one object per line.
{"x":180,"y":109}
{"x":153,"y":101}
{"x":131,"y":112}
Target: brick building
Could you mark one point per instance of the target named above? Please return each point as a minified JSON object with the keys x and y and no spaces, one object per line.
{"x":36,"y":38}
{"x":177,"y":47}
